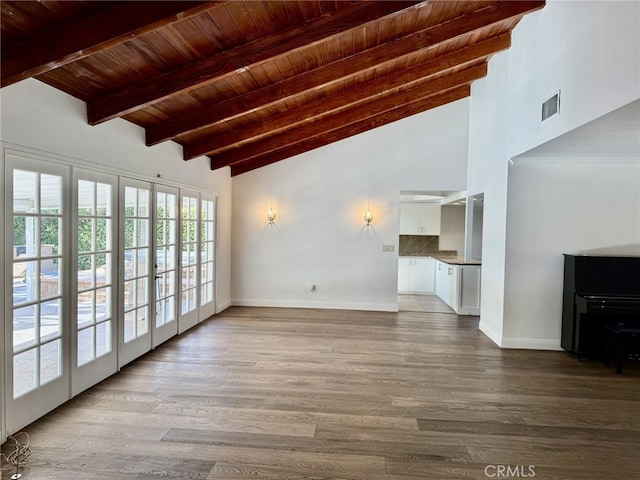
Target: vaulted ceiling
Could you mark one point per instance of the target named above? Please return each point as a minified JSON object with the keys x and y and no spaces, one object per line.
{"x":249,"y":83}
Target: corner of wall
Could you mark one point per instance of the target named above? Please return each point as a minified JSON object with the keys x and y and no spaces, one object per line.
{"x":490,"y":333}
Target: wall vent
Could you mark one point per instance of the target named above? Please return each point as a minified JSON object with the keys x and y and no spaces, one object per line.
{"x":551,"y":107}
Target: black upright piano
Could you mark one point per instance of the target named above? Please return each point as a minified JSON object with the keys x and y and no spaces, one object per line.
{"x":597,"y":289}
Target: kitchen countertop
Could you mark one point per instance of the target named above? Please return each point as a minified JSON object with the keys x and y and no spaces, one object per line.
{"x":456,"y":260}
{"x":433,"y":254}
{"x":446,"y":258}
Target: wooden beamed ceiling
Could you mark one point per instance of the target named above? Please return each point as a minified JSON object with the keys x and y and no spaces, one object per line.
{"x":250,"y":83}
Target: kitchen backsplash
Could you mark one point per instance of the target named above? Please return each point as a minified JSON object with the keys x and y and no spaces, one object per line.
{"x":421,"y":246}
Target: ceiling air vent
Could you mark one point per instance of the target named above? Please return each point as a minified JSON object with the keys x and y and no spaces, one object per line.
{"x":551,"y":107}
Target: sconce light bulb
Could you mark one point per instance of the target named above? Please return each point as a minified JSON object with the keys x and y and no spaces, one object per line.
{"x":271,"y":215}
{"x":368,"y":217}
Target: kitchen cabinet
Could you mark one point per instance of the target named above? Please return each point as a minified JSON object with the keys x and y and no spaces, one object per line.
{"x":416,"y":275}
{"x":458,"y":285}
{"x":419,"y":218}
{"x":446,"y":283}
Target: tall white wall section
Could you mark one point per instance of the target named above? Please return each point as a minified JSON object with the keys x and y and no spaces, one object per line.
{"x":590,"y":52}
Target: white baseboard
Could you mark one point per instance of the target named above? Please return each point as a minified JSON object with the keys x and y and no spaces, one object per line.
{"x":374,"y":307}
{"x":531,"y":343}
{"x":519,"y":343}
{"x":223,"y":305}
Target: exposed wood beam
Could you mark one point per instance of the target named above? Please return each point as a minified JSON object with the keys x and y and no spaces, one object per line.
{"x":349,"y":98}
{"x":347,"y":117}
{"x":404,"y":111}
{"x":137,"y":96}
{"x":335,"y":71}
{"x":106,"y":28}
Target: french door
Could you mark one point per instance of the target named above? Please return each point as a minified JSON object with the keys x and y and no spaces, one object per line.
{"x":189,"y":261}
{"x":94,"y":352}
{"x":207,"y":257}
{"x":99,"y":269}
{"x":37,"y":342}
{"x":166,"y":263}
{"x":149,"y":266}
{"x":135,"y":265}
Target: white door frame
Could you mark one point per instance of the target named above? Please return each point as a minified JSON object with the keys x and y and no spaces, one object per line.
{"x":162,"y":333}
{"x":189,"y":261}
{"x":141,"y":343}
{"x":34,"y":403}
{"x":209,"y":308}
{"x":102,"y":366}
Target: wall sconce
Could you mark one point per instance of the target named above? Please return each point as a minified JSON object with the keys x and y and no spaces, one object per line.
{"x":368,"y":218}
{"x":271,"y":216}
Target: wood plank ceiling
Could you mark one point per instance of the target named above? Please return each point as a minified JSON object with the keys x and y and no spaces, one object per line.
{"x":250,"y":83}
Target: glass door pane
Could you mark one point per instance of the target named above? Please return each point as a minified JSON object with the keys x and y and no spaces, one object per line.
{"x":136,"y":265}
{"x":37,"y":292}
{"x":207,"y":258}
{"x":166,"y":252}
{"x":189,"y":262}
{"x":37,"y":260}
{"x":95,"y":350}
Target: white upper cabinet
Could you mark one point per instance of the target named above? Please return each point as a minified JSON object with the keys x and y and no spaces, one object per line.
{"x":419,"y":218}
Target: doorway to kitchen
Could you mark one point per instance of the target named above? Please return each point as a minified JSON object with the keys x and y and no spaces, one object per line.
{"x":439,"y":232}
{"x":418,"y":246}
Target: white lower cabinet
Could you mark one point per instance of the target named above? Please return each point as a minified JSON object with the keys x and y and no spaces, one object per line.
{"x":459,"y":287}
{"x":416,"y":275}
{"x":441,"y":280}
{"x":469,"y":285}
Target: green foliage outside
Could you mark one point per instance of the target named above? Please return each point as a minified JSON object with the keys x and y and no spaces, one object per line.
{"x":92,"y":229}
{"x":49,"y":232}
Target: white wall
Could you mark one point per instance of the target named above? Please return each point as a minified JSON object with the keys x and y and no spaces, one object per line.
{"x":579,"y":192}
{"x":588,"y":50}
{"x":553,"y":211}
{"x":40,"y":119}
{"x":320,"y":198}
{"x":452,"y":228}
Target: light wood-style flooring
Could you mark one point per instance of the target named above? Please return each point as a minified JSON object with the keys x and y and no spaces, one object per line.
{"x":293,"y":394}
{"x":422,"y":303}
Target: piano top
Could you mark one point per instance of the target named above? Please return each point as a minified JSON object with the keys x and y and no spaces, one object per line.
{"x":623,"y":297}
{"x":626,"y":251}
{"x":597,"y":275}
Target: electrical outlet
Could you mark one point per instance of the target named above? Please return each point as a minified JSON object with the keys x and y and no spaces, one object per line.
{"x":388,"y":248}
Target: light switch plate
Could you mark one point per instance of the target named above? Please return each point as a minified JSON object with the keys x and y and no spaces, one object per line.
{"x":388,"y":248}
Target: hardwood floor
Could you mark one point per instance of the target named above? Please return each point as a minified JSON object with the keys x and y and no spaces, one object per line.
{"x":422,"y":303}
{"x":292,"y":394}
